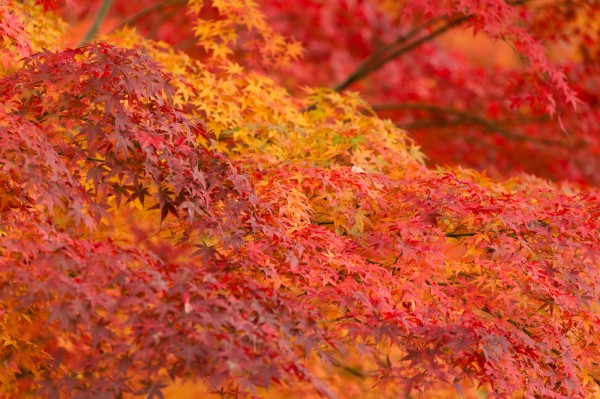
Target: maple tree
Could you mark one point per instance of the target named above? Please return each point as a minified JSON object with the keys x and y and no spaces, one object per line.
{"x":498,"y":85}
{"x":532,"y":107}
{"x":170,"y":215}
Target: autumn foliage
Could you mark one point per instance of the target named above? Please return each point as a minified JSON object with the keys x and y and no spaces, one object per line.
{"x":185,"y":208}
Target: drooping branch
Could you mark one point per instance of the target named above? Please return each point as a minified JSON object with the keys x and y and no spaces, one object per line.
{"x":100,"y":15}
{"x":394,"y":50}
{"x":468,"y":117}
{"x":391,"y":51}
{"x":149,"y":10}
{"x":382,"y":51}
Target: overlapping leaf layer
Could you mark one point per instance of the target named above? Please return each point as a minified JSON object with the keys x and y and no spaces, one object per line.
{"x":164,"y":218}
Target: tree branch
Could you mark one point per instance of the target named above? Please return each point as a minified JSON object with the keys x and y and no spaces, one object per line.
{"x":148,"y":10}
{"x":469,"y":117}
{"x":100,"y":15}
{"x":389,"y":52}
{"x":458,"y":235}
{"x":379,"y":58}
{"x":379,"y":53}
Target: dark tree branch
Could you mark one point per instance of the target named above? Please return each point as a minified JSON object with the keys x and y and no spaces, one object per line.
{"x":100,"y":15}
{"x":382,"y":51}
{"x":149,"y":10}
{"x":391,"y":51}
{"x":458,"y":235}
{"x":468,"y":117}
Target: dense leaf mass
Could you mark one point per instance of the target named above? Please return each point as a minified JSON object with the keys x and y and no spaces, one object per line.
{"x":170,"y":217}
{"x":496,"y":85}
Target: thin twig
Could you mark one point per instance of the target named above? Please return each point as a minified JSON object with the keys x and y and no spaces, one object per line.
{"x":100,"y":15}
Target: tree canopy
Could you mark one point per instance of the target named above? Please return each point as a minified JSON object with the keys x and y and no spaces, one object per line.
{"x":212,"y":202}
